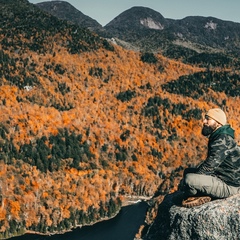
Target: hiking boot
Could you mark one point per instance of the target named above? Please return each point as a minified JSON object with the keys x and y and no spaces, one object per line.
{"x":195,"y":201}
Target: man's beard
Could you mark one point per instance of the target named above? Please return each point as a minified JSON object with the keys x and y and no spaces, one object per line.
{"x":207,"y":130}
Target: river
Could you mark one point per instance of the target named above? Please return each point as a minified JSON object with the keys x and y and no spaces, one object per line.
{"x":122,"y":227}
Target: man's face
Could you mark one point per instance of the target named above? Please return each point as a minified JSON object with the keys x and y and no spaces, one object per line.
{"x":209,"y":125}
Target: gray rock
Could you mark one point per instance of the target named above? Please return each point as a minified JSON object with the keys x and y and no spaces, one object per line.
{"x":215,"y":220}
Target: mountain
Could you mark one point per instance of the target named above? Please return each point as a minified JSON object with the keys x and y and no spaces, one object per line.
{"x":144,"y":29}
{"x":149,"y":30}
{"x":136,"y":18}
{"x":138,"y":24}
{"x":85,"y":123}
{"x":66,"y":11}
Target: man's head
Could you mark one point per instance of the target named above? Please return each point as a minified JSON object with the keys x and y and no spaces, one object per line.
{"x":214,"y":119}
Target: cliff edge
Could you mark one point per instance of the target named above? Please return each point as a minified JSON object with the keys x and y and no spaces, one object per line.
{"x":215,"y":220}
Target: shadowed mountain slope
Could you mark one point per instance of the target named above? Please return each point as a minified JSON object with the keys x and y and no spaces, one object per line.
{"x":66,"y":11}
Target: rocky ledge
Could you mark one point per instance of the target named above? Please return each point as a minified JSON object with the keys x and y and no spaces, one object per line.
{"x":215,"y":220}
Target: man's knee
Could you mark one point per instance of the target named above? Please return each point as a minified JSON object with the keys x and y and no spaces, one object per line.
{"x":191,"y":184}
{"x":190,"y":179}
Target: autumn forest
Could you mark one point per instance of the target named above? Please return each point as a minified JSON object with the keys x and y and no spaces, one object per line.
{"x":85,"y":123}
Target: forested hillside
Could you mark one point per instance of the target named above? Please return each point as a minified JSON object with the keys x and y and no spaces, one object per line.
{"x":85,"y":123}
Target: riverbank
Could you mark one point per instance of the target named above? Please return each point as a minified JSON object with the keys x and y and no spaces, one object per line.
{"x":125,"y":225}
{"x":40,"y":234}
{"x":127,"y":201}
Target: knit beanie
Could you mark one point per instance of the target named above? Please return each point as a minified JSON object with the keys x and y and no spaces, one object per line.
{"x":218,"y":115}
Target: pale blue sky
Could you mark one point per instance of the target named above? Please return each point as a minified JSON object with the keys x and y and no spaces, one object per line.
{"x":104,"y":11}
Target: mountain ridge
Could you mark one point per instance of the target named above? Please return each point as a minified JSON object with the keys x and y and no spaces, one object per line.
{"x":145,"y":27}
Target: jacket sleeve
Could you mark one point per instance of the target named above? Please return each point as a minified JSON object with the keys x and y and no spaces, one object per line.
{"x":216,"y":155}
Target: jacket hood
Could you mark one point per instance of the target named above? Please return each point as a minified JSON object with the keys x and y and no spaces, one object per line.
{"x":225,"y":129}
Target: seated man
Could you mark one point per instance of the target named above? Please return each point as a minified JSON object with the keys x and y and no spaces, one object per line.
{"x":219,"y":175}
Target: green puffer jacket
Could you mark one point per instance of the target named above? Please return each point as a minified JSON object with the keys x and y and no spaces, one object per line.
{"x":223,"y":159}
